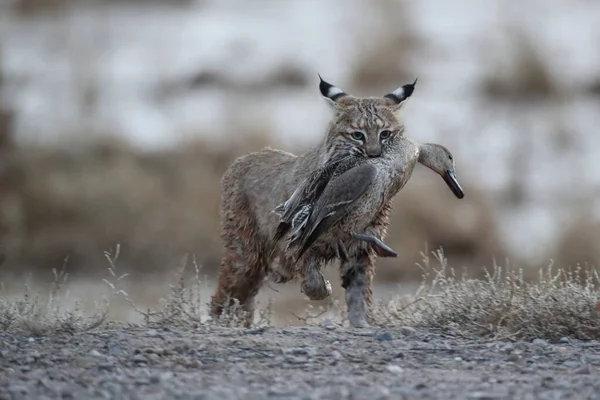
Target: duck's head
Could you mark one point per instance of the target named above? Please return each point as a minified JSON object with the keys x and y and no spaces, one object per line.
{"x":439,"y":159}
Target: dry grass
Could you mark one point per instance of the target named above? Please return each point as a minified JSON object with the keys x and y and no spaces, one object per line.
{"x":426,"y":213}
{"x":504,"y":305}
{"x":42,"y":314}
{"x":37,"y":314}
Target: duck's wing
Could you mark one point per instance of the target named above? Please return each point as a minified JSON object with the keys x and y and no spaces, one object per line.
{"x":287,"y":210}
{"x":308,"y":192}
{"x":337,"y":198}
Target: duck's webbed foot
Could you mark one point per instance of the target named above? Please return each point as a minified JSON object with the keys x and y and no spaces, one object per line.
{"x":382,"y":249}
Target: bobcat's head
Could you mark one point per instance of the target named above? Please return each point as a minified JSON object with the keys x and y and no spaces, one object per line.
{"x":364,"y":126}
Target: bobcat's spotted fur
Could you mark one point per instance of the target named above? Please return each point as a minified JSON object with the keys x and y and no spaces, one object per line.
{"x":256,"y":183}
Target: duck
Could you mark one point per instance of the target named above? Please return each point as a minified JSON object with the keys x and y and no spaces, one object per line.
{"x":345,"y":194}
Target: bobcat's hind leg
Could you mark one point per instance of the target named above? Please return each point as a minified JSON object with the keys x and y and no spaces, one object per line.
{"x":241,"y":275}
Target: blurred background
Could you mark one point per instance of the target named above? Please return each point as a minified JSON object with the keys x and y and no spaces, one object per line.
{"x":118,"y":119}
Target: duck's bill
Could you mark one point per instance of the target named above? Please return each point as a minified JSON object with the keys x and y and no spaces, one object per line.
{"x":453,"y":184}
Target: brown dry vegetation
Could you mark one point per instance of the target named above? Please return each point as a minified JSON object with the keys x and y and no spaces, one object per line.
{"x":503,"y":305}
{"x":523,"y":75}
{"x":559,"y":303}
{"x":82,"y":199}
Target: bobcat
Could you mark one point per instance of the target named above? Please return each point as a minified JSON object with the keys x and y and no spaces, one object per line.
{"x":368,"y":130}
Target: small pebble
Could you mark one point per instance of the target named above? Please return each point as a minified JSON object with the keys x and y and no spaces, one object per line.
{"x":539,"y":341}
{"x":328,"y":324}
{"x":106,"y":367}
{"x":115,"y":351}
{"x":301,"y":351}
{"x":384,"y":336}
{"x":564,"y":340}
{"x":18,"y":389}
{"x":152,"y":333}
{"x":521,"y":346}
{"x":585,"y":370}
{"x":95,"y":353}
{"x":255,"y":331}
{"x":572,"y":364}
{"x":395,"y":369}
{"x":408,"y":331}
{"x":153,"y":350}
{"x":484,"y":396}
{"x":508,"y":348}
{"x":139,"y":359}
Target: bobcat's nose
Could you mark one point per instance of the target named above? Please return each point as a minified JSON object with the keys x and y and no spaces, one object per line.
{"x":374,"y":151}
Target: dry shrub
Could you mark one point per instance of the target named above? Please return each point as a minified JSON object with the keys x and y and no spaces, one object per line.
{"x":504,"y":305}
{"x":426,"y":213}
{"x":561,"y":303}
{"x":184,"y":307}
{"x":38,"y":314}
{"x":523,"y":74}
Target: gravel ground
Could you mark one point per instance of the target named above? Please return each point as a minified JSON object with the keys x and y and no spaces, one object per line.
{"x":308,"y":362}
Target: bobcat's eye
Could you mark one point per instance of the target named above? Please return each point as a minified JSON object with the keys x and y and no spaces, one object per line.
{"x":357,"y":135}
{"x":384,"y":134}
{"x":450,"y":157}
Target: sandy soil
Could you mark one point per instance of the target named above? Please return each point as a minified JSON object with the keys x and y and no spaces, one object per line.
{"x":301,"y":362}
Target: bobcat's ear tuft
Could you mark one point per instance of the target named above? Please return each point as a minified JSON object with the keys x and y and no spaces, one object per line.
{"x":333,"y":94}
{"x":399,"y":96}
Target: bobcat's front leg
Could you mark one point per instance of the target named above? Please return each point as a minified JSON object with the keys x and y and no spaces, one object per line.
{"x":314,"y":285}
{"x":357,"y":277}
